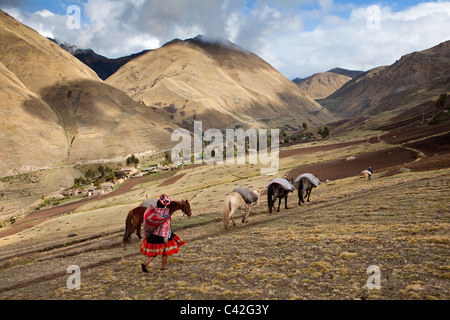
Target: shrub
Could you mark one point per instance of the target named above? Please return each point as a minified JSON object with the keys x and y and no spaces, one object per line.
{"x":132,"y":160}
{"x":440,"y":117}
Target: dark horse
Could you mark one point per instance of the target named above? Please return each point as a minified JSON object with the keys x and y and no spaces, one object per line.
{"x":135,"y":217}
{"x":275,"y":191}
{"x":304,"y":186}
{"x":306,"y":182}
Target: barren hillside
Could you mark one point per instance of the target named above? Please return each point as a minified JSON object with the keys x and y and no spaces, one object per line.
{"x":412,"y":80}
{"x":321,"y":85}
{"x":49,"y":88}
{"x":216,"y":82}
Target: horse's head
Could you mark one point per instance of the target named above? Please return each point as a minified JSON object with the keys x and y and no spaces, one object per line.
{"x":186,"y":208}
{"x":257,"y":203}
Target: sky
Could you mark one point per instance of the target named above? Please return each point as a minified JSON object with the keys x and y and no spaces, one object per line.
{"x":297,"y":37}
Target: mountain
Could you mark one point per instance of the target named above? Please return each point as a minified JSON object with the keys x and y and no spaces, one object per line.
{"x":414,"y":79}
{"x":321,"y":85}
{"x":103,"y":67}
{"x":217,"y":82}
{"x":57,"y":111}
{"x":28,"y":127}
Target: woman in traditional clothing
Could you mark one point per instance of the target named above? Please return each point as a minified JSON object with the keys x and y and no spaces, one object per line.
{"x":159,"y":241}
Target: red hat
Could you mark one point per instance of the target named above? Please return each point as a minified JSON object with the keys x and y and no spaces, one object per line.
{"x":164,"y":199}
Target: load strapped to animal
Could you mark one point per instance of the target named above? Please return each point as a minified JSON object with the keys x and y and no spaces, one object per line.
{"x":248,"y":195}
{"x":283,"y":182}
{"x":278,"y":188}
{"x":240,"y":198}
{"x":154,"y":218}
{"x":149,"y":203}
{"x":306,"y":182}
{"x":314,"y":180}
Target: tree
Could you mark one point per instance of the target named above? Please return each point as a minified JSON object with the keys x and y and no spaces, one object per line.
{"x":77,"y":182}
{"x":167,"y":157}
{"x":132,"y":160}
{"x":326,"y":132}
{"x":441,"y":101}
{"x":305,"y":125}
{"x":89,"y":174}
{"x":101,"y":169}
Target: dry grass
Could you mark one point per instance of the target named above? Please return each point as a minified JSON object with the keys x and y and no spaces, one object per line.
{"x":320,"y":250}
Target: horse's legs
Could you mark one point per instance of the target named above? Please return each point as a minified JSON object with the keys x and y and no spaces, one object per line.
{"x":247,"y":213}
{"x":138,"y":230}
{"x":309,"y":193}
{"x":272,"y":200}
{"x":279,"y":203}
{"x":231,"y":217}
{"x":285,"y":202}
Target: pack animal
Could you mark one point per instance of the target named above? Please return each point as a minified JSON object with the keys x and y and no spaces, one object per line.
{"x":235,"y":201}
{"x":304,"y":187}
{"x":306,"y":182}
{"x":135,"y":217}
{"x":278,"y":191}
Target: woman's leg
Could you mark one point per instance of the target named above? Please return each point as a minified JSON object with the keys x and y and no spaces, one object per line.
{"x":147,"y":262}
{"x":164,"y":262}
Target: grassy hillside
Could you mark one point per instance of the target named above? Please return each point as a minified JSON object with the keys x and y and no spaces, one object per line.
{"x":320,"y":250}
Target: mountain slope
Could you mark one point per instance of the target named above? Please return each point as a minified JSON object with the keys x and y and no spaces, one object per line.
{"x":216,"y":82}
{"x":95,"y":120}
{"x":414,"y":79}
{"x":28,"y":127}
{"x":321,"y":85}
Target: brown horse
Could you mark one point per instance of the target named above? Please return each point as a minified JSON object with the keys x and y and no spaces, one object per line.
{"x":306,"y":182}
{"x":135,"y":217}
{"x":304,"y":187}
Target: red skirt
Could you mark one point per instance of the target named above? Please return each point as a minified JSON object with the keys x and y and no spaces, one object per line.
{"x":153,"y":246}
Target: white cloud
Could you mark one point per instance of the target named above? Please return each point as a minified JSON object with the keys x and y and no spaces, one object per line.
{"x":276,"y":30}
{"x":45,"y":13}
{"x":350,"y":43}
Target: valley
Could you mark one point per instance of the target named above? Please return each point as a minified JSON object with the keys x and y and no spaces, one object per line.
{"x":68,"y":132}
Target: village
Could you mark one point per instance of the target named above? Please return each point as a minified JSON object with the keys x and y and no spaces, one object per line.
{"x":99,"y":185}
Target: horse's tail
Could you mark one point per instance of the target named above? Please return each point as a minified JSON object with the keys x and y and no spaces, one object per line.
{"x":226,"y":212}
{"x":300,"y":191}
{"x":128,"y":227}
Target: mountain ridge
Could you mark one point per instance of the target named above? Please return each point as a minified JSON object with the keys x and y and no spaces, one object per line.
{"x":221,"y":84}
{"x":413,"y":79}
{"x":104,"y":67}
{"x":321,"y":85}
